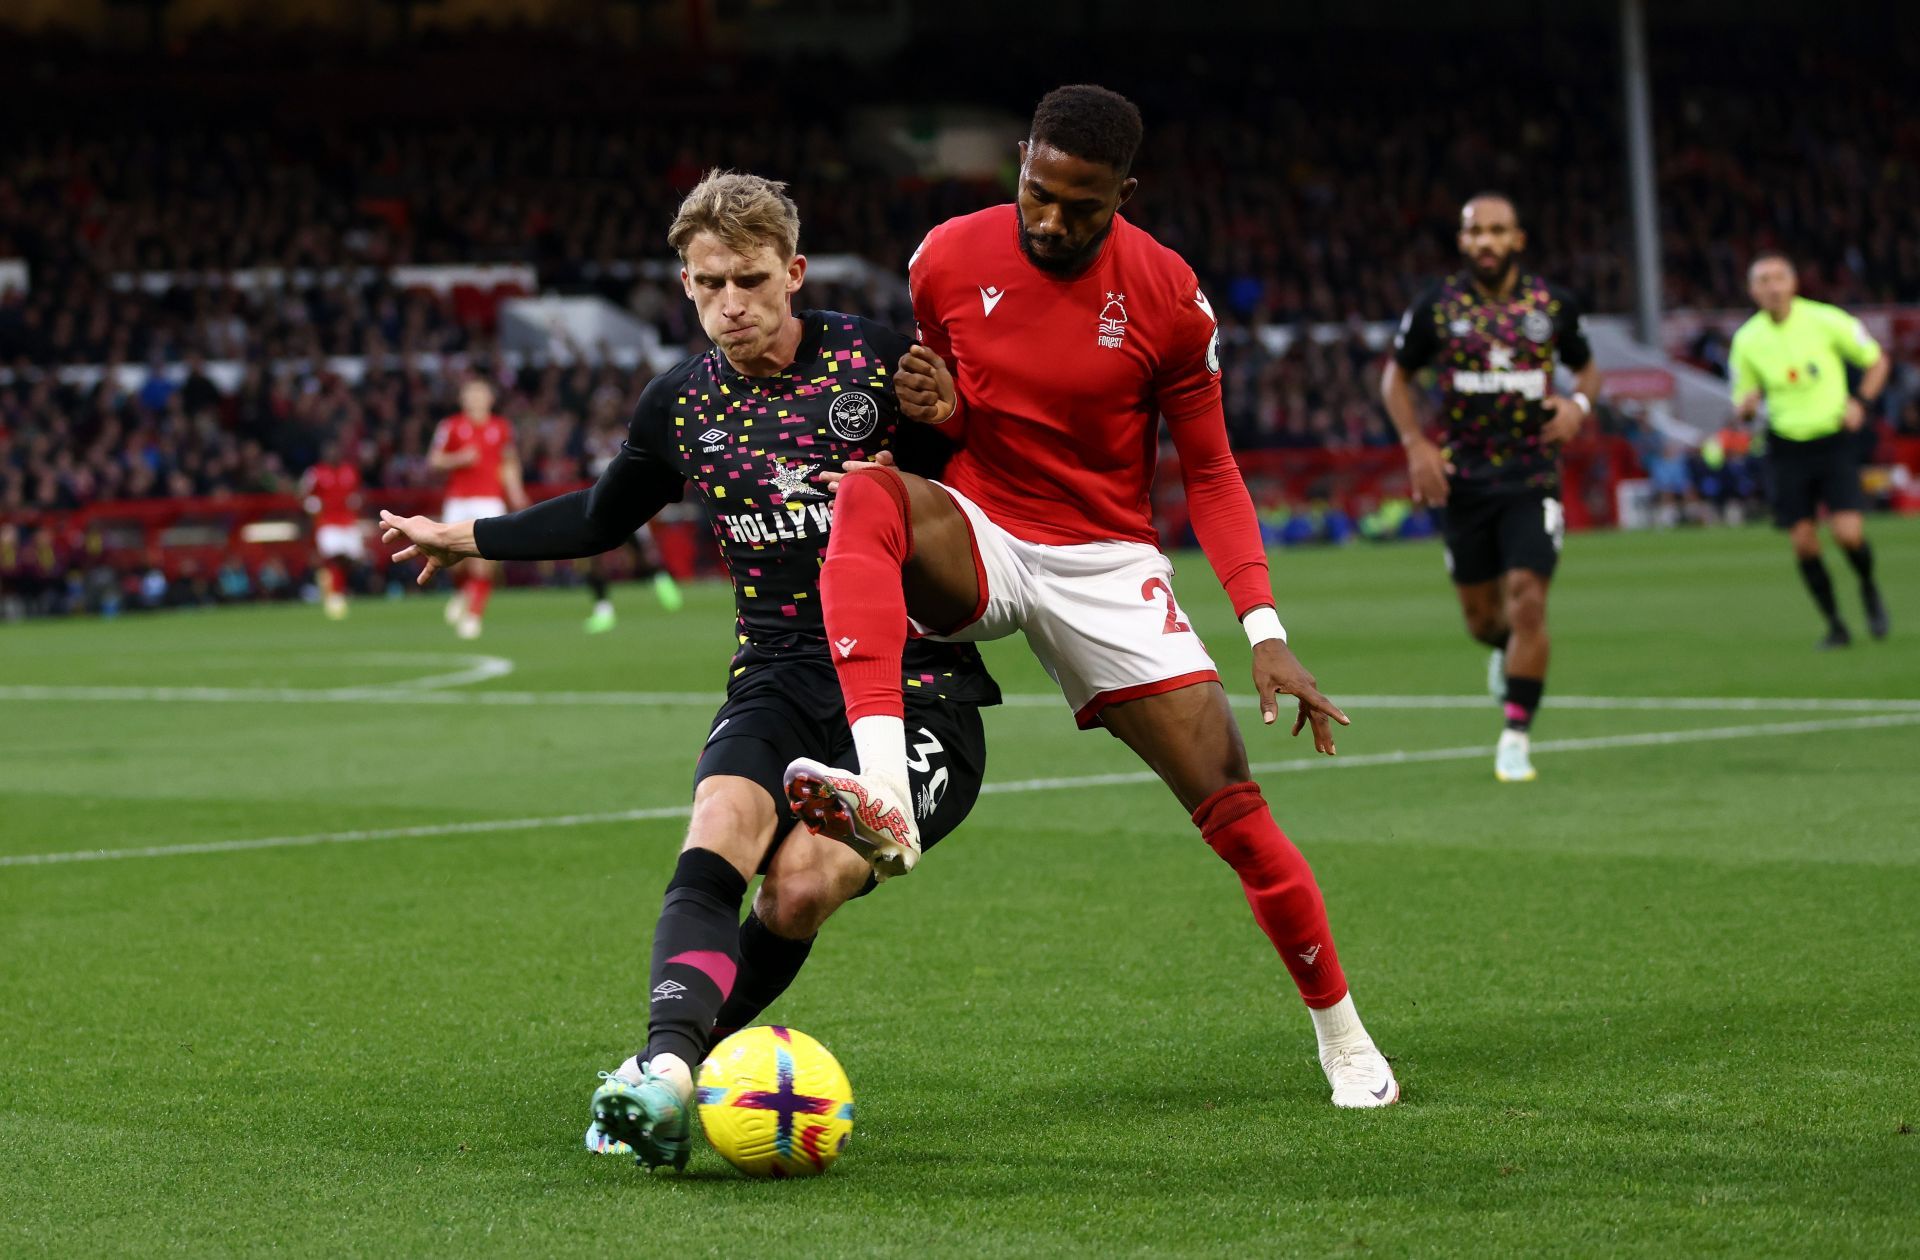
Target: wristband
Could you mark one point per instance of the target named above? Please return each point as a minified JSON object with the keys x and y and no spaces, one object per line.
{"x":1263,"y":623}
{"x":1586,"y":403}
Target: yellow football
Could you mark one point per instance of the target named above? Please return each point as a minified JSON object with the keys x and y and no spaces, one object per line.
{"x":775,"y":1103}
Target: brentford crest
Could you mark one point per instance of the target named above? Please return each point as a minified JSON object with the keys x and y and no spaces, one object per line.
{"x":854,"y":415}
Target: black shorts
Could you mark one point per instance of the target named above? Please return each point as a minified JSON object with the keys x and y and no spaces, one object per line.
{"x":1806,"y":476}
{"x":776,"y":712}
{"x":1488,"y":532}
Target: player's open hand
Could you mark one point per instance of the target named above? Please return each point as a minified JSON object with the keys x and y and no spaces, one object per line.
{"x":1568,"y":416}
{"x":1428,"y":469}
{"x":1854,"y":416}
{"x":1276,"y":672}
{"x":924,"y":387}
{"x":441,"y":546}
{"x":830,"y":481}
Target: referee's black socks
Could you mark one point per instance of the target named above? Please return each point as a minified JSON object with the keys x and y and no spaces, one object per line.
{"x":1813,"y":571}
{"x":1861,"y":558}
{"x":695,"y":955}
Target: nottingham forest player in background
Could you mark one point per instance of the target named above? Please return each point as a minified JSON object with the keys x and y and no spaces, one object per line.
{"x":1795,"y":354}
{"x":1492,"y":332}
{"x":749,"y":424}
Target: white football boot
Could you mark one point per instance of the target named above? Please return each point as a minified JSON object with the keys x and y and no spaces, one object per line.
{"x":1512,"y":759}
{"x":872,"y":817}
{"x":1360,"y":1076}
{"x":1358,"y":1072}
{"x":467,"y":627}
{"x":456,"y":607}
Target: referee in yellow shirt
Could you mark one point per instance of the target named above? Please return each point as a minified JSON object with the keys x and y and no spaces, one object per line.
{"x":1794,"y":353}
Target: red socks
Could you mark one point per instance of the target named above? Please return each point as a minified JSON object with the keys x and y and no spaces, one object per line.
{"x":861,"y":594}
{"x":479,"y":589}
{"x":1280,"y":887}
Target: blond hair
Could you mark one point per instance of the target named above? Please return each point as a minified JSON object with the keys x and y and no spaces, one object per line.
{"x":743,"y":211}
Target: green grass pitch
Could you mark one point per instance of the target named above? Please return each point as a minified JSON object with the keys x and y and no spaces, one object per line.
{"x":1664,"y":1001}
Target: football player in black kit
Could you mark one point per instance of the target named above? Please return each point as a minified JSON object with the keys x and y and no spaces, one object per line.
{"x":1492,"y":332}
{"x":782,"y":396}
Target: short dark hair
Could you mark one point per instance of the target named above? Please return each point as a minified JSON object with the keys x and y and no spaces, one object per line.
{"x":1494,"y":194}
{"x":1770,"y":255}
{"x":1089,"y":122}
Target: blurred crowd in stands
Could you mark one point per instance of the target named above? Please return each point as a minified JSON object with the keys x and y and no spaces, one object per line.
{"x":1317,"y":196}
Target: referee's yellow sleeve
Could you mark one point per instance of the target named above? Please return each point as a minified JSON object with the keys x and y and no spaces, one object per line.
{"x":1744,"y":380}
{"x":1851,"y":340}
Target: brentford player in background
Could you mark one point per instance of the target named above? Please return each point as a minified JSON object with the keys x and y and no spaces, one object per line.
{"x":475,"y":449}
{"x":1071,"y":333}
{"x":331,"y":495}
{"x":1493,"y":331}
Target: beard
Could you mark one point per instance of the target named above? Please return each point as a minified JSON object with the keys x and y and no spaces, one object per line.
{"x":1064,"y":264}
{"x":1491,"y":276}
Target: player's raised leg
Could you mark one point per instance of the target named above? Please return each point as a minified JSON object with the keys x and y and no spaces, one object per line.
{"x":896,"y":537}
{"x":1191,"y":741}
{"x":647,"y":1102}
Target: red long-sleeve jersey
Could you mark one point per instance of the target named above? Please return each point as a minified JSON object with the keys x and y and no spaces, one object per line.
{"x":1062,"y":382}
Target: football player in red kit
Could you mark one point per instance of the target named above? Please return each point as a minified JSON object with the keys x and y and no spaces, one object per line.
{"x":1070,"y":333}
{"x":330,"y":491}
{"x":475,"y":449}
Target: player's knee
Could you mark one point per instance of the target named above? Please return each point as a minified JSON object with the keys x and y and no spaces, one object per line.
{"x":1848,"y":530}
{"x":1527,"y":607}
{"x":796,"y":904}
{"x":872,"y":492}
{"x":1487,"y":628}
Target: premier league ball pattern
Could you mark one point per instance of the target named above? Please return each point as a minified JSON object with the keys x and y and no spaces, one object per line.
{"x":775,"y":1103}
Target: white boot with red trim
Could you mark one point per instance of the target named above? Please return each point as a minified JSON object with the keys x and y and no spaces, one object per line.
{"x":865,"y":812}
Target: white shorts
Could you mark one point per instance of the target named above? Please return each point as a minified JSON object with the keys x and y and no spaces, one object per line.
{"x":340,"y":540}
{"x":1100,"y":616}
{"x":473,"y":509}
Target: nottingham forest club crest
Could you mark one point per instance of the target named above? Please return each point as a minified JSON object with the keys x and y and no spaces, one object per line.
{"x":1113,"y":321}
{"x":854,"y":415}
{"x":1537,"y":327}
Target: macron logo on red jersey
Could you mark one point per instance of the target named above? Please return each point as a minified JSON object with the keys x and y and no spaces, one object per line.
{"x":990,"y":297}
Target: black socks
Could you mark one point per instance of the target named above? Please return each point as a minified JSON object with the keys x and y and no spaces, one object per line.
{"x":695,"y":954}
{"x":768,"y":964}
{"x":1523,"y":698}
{"x":1813,"y":571}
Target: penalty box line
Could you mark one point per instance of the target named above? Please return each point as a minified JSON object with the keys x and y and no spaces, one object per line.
{"x":1399,"y":757}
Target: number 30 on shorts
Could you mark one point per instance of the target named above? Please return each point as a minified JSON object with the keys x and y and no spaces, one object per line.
{"x":1555,"y":519}
{"x":1153,"y":586}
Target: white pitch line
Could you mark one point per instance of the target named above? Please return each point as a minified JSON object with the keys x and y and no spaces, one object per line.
{"x":423,"y":691}
{"x":1297,"y":765}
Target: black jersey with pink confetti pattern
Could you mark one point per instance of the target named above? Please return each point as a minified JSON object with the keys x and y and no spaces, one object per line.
{"x":1494,"y":360}
{"x":753,"y":446}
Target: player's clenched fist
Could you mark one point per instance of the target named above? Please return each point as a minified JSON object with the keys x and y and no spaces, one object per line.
{"x":924,"y":387}
{"x":441,"y":546}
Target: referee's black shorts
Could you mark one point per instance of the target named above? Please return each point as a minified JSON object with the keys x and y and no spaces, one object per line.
{"x":1806,"y":476}
{"x":781,"y":710}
